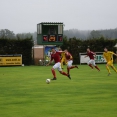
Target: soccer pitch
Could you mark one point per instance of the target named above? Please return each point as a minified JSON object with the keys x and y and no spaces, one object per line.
{"x":24,"y":92}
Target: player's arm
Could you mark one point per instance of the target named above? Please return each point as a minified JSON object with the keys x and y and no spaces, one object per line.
{"x":85,"y":56}
{"x":114,"y":54}
{"x":94,"y":55}
{"x":50,"y":61}
{"x":60,"y":52}
{"x":70,"y":57}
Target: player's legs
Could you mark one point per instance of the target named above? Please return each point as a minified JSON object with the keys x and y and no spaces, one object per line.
{"x":60,"y":70}
{"x":58,"y":67}
{"x":97,"y":68}
{"x":112,"y":66}
{"x":62,"y":60}
{"x":63,"y":73}
{"x":70,"y":66}
{"x":93,"y":63}
{"x":90,"y":63}
{"x":107,"y":67}
{"x":65,"y":60}
{"x":53,"y":71}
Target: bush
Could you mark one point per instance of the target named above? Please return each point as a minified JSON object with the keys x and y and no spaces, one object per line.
{"x":20,"y":46}
{"x":76,"y":46}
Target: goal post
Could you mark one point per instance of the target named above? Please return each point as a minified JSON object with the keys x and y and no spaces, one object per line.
{"x":98,"y":59}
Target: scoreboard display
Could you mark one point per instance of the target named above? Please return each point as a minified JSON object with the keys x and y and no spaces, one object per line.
{"x":52,"y":38}
{"x":49,"y":33}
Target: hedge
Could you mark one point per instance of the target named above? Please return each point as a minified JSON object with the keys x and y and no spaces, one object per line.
{"x":76,"y":46}
{"x":20,"y":46}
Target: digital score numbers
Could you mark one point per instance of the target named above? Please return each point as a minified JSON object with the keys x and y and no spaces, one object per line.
{"x":52,"y":38}
{"x":50,"y":33}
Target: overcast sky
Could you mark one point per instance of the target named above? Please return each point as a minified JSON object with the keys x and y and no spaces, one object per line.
{"x":24,"y":15}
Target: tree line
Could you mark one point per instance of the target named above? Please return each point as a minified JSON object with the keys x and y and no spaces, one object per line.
{"x":89,"y":34}
{"x":81,"y":34}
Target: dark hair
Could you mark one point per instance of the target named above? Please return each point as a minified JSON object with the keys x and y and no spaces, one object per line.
{"x":88,"y":48}
{"x":60,"y":49}
{"x":105,"y":48}
{"x":52,"y":48}
{"x":66,"y":49}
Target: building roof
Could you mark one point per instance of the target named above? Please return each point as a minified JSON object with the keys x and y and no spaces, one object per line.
{"x":51,"y":23}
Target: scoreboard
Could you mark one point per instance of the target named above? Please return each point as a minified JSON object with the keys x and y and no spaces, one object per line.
{"x":50,"y":33}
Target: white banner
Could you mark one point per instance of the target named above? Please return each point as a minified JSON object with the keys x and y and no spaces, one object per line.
{"x":98,"y":59}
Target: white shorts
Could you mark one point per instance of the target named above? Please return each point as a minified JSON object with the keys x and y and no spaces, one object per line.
{"x":57,"y":66}
{"x":91,"y":62}
{"x":69,"y":63}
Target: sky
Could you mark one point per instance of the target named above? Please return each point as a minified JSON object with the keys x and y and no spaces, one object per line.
{"x":22,"y":16}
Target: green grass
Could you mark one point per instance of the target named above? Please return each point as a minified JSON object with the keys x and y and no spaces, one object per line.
{"x":24,"y":93}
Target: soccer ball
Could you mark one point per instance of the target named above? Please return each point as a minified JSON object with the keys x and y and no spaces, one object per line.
{"x":47,"y":81}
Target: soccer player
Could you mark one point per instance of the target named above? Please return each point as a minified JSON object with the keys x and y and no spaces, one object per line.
{"x":63,"y":58}
{"x":91,"y":62}
{"x":56,"y":57}
{"x":69,"y":59}
{"x":108,"y":55}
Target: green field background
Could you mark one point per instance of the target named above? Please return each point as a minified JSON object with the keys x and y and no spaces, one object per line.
{"x":24,"y":92}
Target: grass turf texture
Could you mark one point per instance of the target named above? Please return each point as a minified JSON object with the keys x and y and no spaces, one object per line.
{"x":24,"y":93}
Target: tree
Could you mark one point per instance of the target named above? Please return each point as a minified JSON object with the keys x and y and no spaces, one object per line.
{"x":7,"y":34}
{"x":95,"y":34}
{"x":23,"y":35}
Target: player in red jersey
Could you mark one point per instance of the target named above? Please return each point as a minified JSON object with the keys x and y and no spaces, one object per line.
{"x":56,"y":57}
{"x":69,"y":59}
{"x":91,"y":62}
